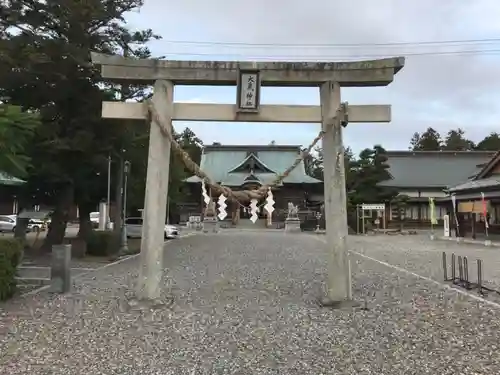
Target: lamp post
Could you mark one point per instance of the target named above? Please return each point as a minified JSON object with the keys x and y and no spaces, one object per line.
{"x":318,"y":217}
{"x":123,"y":229}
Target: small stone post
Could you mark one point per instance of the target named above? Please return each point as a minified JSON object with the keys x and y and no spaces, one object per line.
{"x":60,"y":272}
{"x":103,"y":215}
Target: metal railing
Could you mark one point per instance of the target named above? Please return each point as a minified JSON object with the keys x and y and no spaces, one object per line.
{"x":462,"y":279}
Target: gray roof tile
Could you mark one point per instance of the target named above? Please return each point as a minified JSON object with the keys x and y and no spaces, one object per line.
{"x":477,"y":184}
{"x":434,"y":169}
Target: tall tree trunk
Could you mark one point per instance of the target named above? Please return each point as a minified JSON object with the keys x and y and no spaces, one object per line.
{"x":21,"y":224}
{"x":60,"y":217}
{"x":21,"y":229}
{"x":85,"y":229}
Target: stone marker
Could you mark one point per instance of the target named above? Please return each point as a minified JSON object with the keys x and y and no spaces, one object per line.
{"x":60,"y":272}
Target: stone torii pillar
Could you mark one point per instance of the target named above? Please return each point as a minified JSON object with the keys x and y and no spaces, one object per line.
{"x":249,"y":76}
{"x":155,"y":200}
{"x":334,"y":116}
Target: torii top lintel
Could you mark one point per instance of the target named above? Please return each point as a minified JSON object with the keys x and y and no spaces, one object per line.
{"x":357,"y":73}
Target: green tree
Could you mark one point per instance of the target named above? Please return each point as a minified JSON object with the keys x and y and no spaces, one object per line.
{"x":17,"y":128}
{"x":455,"y":141}
{"x":314,"y":164}
{"x":368,"y":171}
{"x":45,"y":66}
{"x":179,"y":191}
{"x":430,"y":140}
{"x":400,"y":201}
{"x":489,"y":143}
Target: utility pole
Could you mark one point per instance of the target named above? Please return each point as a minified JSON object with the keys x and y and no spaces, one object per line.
{"x":119,"y":198}
{"x":124,"y":92}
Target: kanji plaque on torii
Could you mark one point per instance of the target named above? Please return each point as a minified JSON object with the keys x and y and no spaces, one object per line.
{"x":331,"y":113}
{"x":248,"y":91}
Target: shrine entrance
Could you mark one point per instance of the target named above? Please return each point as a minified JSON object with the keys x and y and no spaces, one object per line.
{"x":249,"y":77}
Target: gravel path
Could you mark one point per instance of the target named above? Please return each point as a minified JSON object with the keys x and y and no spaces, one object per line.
{"x":244,"y":303}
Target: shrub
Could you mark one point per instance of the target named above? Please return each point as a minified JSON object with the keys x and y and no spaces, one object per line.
{"x":102,"y":243}
{"x":11,"y":251}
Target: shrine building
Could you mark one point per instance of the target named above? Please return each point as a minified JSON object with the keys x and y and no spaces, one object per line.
{"x":249,"y":167}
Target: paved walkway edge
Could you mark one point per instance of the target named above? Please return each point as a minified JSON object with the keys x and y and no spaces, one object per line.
{"x":425,"y":278}
{"x":80,"y":275}
{"x":486,"y":243}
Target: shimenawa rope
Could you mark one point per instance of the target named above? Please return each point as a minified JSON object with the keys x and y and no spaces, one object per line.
{"x":236,"y":195}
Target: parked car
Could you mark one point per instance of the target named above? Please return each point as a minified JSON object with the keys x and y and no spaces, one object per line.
{"x":133,"y":227}
{"x":35,"y":225}
{"x":8,"y":223}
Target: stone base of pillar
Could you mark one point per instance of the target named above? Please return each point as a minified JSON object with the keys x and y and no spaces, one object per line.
{"x":210,"y":224}
{"x":292,"y":225}
{"x":340,"y":305}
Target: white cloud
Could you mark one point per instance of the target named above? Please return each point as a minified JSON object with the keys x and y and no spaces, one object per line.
{"x":439,"y":91}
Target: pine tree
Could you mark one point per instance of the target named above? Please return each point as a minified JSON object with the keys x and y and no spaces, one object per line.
{"x":456,"y":141}
{"x":489,"y":143}
{"x":430,"y":140}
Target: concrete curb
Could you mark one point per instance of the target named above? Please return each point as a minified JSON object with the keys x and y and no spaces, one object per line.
{"x":486,"y":243}
{"x":80,"y":275}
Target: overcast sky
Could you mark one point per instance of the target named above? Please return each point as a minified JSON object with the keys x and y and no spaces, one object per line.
{"x":442,"y":91}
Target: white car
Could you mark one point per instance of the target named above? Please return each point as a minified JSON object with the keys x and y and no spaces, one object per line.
{"x":8,"y":223}
{"x":133,"y":227}
{"x":36,"y":225}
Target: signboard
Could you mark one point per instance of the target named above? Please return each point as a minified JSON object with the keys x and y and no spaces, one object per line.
{"x":373,"y":206}
{"x":446,"y":219}
{"x":472,"y":207}
{"x":248,"y":91}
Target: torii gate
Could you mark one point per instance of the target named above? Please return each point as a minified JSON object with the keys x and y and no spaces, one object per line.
{"x":249,"y":77}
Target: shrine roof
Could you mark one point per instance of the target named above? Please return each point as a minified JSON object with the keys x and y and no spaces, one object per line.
{"x":434,"y":169}
{"x":7,"y":180}
{"x":218,"y":162}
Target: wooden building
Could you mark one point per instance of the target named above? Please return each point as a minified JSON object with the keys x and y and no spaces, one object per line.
{"x":247,"y":167}
{"x":424,"y":174}
{"x":469,"y":203}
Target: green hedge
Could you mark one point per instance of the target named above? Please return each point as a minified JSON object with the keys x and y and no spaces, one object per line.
{"x":102,"y":243}
{"x":11,"y":251}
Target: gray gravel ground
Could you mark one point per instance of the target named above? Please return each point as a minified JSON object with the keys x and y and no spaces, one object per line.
{"x":244,"y":303}
{"x":423,"y":256}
